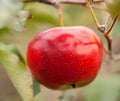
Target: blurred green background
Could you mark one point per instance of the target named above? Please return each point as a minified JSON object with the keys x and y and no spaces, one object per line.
{"x":106,"y":86}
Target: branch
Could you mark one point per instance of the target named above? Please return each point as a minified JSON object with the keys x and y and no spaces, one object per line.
{"x":53,"y":2}
{"x":81,"y":2}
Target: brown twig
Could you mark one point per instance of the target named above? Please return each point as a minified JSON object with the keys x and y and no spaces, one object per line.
{"x":52,"y":2}
{"x":92,"y":13}
{"x":112,"y":25}
{"x":108,"y":35}
{"x":81,"y":2}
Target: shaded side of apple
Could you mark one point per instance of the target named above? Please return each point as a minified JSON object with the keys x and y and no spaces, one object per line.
{"x":65,"y":57}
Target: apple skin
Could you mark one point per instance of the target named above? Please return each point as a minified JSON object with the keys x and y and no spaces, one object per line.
{"x":65,"y":57}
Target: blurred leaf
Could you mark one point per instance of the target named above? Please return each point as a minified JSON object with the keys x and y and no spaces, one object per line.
{"x":104,"y":88}
{"x":4,"y":31}
{"x":13,"y":49}
{"x":8,"y":8}
{"x":19,"y":21}
{"x":17,"y":72}
{"x":36,"y":87}
{"x":66,"y":96}
{"x":113,"y":7}
{"x":45,"y":14}
{"x":116,"y":31}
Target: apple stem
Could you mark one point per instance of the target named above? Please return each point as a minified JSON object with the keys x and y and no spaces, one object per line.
{"x":59,"y":9}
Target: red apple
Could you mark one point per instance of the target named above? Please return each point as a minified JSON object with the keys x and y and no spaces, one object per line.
{"x":65,"y":57}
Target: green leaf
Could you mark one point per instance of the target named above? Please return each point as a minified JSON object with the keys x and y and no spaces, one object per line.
{"x":36,"y":87}
{"x":113,"y":7}
{"x":19,"y":21}
{"x":44,"y":14}
{"x":17,"y":72}
{"x":66,"y":96}
{"x":13,"y":49}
